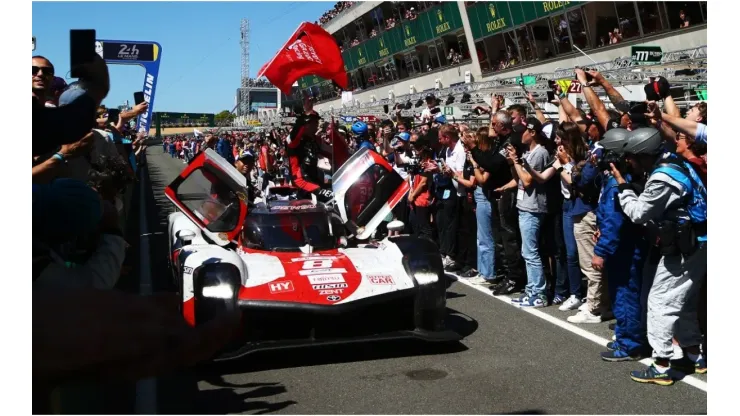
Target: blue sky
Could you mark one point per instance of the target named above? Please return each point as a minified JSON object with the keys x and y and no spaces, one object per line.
{"x":200,"y":65}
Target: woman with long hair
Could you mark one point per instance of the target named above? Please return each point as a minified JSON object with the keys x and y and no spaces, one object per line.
{"x":483,"y":213}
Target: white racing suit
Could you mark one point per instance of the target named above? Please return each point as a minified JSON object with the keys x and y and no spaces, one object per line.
{"x":673,"y":295}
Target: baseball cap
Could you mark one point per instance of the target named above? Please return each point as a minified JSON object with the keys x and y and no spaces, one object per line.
{"x":403,"y":136}
{"x":534,"y":124}
{"x":246,"y":157}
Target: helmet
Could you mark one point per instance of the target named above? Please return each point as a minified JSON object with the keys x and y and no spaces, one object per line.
{"x":646,"y":141}
{"x":615,"y":140}
{"x":359,"y":128}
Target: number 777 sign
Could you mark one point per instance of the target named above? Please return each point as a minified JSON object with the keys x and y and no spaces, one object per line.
{"x":145,"y":54}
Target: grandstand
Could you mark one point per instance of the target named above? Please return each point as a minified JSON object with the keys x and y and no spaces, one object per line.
{"x":394,"y":54}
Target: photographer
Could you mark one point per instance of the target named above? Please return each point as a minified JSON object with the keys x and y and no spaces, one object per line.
{"x":621,"y":250}
{"x":674,"y":207}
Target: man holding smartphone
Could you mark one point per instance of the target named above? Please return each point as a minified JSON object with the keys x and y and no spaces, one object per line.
{"x":450,"y":193}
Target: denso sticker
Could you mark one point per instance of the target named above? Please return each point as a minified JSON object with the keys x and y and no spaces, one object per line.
{"x":330,"y":286}
{"x":321,"y":271}
{"x":380,"y":279}
{"x":325,"y":278}
{"x":281,"y":287}
{"x":334,"y":298}
{"x":331,"y":292}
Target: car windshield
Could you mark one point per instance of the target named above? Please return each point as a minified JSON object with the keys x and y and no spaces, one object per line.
{"x":288,"y":231}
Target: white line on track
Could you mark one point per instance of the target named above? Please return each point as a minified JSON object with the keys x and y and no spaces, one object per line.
{"x":688,"y":379}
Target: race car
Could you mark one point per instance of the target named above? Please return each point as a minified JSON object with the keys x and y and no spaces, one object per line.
{"x":302,"y":273}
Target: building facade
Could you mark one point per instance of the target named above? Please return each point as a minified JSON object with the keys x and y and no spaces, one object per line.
{"x":397,"y":48}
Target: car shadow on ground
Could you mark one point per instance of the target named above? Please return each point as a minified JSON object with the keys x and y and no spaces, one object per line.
{"x":333,"y":354}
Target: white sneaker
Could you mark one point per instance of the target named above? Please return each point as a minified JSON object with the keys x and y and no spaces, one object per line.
{"x":583,"y":307}
{"x":584,"y":317}
{"x":571,"y":303}
{"x":477,"y":280}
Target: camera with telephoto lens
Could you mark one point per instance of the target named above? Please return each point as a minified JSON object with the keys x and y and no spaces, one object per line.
{"x":612,"y":157}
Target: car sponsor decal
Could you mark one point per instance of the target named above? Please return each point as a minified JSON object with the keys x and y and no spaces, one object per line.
{"x":325,"y":278}
{"x":321,"y":271}
{"x":330,"y":286}
{"x":380,"y":279}
{"x":331,"y":292}
{"x":310,"y":258}
{"x":334,"y":298}
{"x":281,"y":287}
{"x":292,"y":207}
{"x":313,"y":277}
{"x":187,"y":270}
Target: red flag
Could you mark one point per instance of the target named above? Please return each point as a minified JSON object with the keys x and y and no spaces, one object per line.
{"x":310,"y":51}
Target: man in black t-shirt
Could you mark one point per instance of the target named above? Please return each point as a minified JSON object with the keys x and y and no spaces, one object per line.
{"x":502,"y":194}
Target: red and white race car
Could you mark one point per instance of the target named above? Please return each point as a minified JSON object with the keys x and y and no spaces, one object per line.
{"x":289,"y":266}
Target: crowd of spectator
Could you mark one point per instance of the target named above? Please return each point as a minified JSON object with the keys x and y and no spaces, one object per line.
{"x":84,"y":164}
{"x":339,"y":7}
{"x":532,"y":207}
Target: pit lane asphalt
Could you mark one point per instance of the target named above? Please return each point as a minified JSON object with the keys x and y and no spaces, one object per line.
{"x":509,"y":362}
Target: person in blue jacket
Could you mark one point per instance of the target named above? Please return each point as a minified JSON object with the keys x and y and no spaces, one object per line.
{"x":223,"y":148}
{"x":621,"y":251}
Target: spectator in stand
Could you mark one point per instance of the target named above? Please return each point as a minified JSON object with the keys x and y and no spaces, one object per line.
{"x":373,"y":33}
{"x":684,"y":20}
{"x":410,"y":14}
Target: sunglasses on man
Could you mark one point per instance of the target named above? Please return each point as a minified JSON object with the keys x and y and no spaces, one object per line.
{"x":45,"y":70}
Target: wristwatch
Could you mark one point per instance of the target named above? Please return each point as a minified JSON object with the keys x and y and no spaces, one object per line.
{"x":560,"y":169}
{"x":59,"y":156}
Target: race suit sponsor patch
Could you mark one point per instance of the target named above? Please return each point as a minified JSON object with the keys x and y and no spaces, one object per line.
{"x":378,"y":279}
{"x":325,"y":278}
{"x":281,"y":287}
{"x":187,"y":270}
{"x":330,"y":286}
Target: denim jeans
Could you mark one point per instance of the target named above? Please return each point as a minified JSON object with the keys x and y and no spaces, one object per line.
{"x":529,"y":226}
{"x":573,"y":269}
{"x":483,"y":214}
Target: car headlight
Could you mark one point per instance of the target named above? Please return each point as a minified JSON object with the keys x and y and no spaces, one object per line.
{"x":426,"y":278}
{"x":219,"y":291}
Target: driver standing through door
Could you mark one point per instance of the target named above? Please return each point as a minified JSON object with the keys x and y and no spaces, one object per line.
{"x":303,"y":150}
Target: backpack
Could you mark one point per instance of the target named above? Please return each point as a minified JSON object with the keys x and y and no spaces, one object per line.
{"x":681,"y":171}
